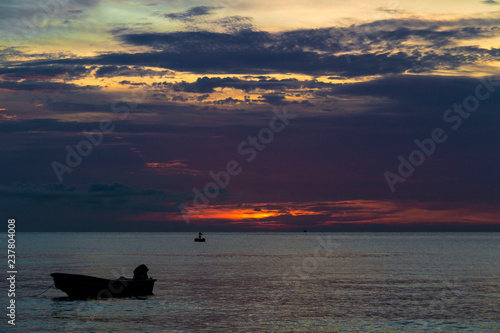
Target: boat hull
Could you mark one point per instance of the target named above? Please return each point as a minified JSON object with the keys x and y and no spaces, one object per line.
{"x":83,"y":286}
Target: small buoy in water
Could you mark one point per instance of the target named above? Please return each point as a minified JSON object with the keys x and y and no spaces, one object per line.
{"x":199,"y":239}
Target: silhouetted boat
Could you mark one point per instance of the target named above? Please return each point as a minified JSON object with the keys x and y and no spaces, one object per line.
{"x":199,"y":238}
{"x":83,"y":286}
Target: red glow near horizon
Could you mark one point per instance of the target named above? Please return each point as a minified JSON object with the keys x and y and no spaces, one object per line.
{"x":275,"y":216}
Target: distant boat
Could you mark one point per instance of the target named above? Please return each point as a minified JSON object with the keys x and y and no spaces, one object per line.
{"x":82,"y":286}
{"x":199,"y":238}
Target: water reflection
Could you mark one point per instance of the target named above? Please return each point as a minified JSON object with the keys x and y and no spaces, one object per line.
{"x":237,"y":283}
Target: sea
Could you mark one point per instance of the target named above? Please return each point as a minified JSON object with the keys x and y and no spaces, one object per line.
{"x":263,"y":282}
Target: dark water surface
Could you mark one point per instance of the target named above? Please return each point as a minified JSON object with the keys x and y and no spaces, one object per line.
{"x":266,"y":282}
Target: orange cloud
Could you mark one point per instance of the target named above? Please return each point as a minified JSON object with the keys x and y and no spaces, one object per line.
{"x":237,"y":213}
{"x":7,"y":117}
{"x":407,"y":212}
{"x":288,"y":215}
{"x":171,"y":168}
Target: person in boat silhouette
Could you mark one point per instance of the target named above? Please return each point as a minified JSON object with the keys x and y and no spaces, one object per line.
{"x":199,"y":235}
{"x":141,"y":272}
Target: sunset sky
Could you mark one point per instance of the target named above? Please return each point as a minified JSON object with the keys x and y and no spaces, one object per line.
{"x":250,"y":115}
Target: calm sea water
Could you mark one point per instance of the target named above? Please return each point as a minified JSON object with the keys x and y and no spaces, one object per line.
{"x":266,"y":282}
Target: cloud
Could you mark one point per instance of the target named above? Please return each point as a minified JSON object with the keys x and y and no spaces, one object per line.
{"x":274,"y":99}
{"x":191,"y":13}
{"x":201,"y":85}
{"x":175,"y":167}
{"x":390,"y":10}
{"x":233,"y":24}
{"x":10,"y":52}
{"x":416,"y":90}
{"x":199,"y":40}
{"x":112,"y":71}
{"x":45,"y":125}
{"x":208,"y":85}
{"x":36,"y":85}
{"x":264,"y":61}
{"x":127,"y":82}
{"x":229,"y":100}
{"x":376,"y":48}
{"x":491,"y":2}
{"x":97,"y":193}
{"x":116,"y":197}
{"x":42,"y":72}
{"x":346,"y":215}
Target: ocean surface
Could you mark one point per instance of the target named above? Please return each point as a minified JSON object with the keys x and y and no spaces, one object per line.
{"x":264,"y":282}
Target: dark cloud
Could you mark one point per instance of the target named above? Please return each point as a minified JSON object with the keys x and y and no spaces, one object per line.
{"x":126,"y":82}
{"x":45,"y":125}
{"x":338,"y":155}
{"x":82,"y":210}
{"x":416,"y":90}
{"x":36,"y":85}
{"x":179,"y":98}
{"x":9,"y":52}
{"x":200,"y":41}
{"x":100,"y":192}
{"x":201,"y":85}
{"x":68,"y":106}
{"x":191,"y":13}
{"x":54,"y":125}
{"x":43,"y":72}
{"x":390,"y":10}
{"x":265,"y":61}
{"x":207,"y":85}
{"x":202,"y":97}
{"x":383,"y":34}
{"x":274,"y":99}
{"x":376,"y":48}
{"x":107,"y":70}
{"x":64,"y":107}
{"x":233,"y":24}
{"x":228,"y":100}
{"x":112,"y":71}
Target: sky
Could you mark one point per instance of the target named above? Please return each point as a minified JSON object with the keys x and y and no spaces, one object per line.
{"x":241,"y":115}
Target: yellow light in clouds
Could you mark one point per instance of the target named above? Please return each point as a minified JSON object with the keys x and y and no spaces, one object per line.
{"x":244,"y":213}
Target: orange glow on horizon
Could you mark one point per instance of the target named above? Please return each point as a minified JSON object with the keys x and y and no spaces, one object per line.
{"x":238,"y":214}
{"x":7,"y":117}
{"x":283,"y":215}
